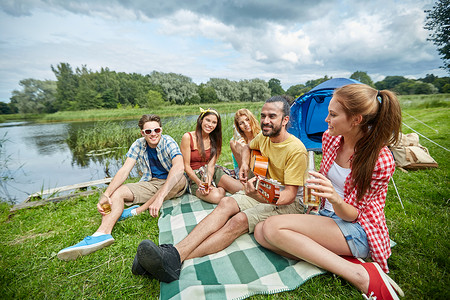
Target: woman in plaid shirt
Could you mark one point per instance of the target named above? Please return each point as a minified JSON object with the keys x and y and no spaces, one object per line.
{"x":352,"y":183}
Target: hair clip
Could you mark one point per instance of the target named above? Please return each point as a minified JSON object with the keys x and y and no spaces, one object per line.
{"x":379,"y":98}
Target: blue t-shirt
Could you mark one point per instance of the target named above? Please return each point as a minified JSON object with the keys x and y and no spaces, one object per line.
{"x":156,"y":167}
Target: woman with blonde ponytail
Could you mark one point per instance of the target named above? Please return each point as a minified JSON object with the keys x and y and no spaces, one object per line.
{"x":352,"y":184}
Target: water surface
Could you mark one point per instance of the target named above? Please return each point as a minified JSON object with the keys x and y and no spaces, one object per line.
{"x":36,"y":157}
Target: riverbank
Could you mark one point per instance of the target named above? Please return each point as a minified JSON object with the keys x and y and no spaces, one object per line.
{"x":130,"y":113}
{"x":135,"y":113}
{"x":419,"y":262}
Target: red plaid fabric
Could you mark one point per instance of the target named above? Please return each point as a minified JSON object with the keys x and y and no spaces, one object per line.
{"x":371,"y":207}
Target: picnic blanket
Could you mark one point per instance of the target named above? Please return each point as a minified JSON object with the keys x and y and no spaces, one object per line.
{"x":241,"y":270}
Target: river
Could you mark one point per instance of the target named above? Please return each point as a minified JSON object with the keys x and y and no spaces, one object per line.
{"x":36,"y":157}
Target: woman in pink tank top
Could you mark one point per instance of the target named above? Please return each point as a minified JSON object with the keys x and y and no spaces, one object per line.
{"x":200,"y":148}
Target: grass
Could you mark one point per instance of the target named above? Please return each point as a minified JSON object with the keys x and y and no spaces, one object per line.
{"x":136,"y":113}
{"x":31,"y":238}
{"x":14,"y":117}
{"x":425,"y":101}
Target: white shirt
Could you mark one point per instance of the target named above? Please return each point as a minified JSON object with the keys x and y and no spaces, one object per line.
{"x":337,"y":176}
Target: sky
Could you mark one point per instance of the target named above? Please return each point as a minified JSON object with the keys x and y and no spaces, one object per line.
{"x":293,"y":41}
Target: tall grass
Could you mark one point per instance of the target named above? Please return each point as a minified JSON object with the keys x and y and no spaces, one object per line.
{"x":424,"y":101}
{"x":28,"y":117}
{"x":6,"y":174}
{"x":107,"y":135}
{"x":102,"y":135}
{"x":136,"y":113}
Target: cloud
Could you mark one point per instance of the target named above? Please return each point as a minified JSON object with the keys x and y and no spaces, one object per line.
{"x":249,"y":13}
{"x":293,"y":41}
{"x":364,"y":33}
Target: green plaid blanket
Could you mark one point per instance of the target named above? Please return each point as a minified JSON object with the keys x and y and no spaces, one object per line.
{"x":240,"y":271}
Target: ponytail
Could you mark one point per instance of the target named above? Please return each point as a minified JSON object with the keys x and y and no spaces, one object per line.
{"x":380,"y":126}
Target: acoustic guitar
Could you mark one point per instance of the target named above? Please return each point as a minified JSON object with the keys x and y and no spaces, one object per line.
{"x":258,"y":163}
{"x":269,"y":189}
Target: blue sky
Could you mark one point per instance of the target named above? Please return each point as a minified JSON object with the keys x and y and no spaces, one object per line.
{"x":293,"y":41}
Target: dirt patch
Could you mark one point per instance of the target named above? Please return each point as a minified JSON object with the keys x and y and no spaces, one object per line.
{"x":22,"y":239}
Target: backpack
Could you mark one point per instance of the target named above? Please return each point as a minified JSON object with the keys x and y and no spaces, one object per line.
{"x":409,"y":154}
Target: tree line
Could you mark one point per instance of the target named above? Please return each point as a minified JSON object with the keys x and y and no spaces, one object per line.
{"x":82,"y":89}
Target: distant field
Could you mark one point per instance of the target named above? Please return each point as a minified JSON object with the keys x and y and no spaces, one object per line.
{"x":135,"y":113}
{"x":425,"y":101}
{"x":407,"y":101}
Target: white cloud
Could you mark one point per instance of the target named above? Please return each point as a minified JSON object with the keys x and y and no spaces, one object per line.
{"x":293,"y":41}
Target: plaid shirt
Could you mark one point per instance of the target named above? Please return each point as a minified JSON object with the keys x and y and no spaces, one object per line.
{"x":166,"y":150}
{"x":371,"y":206}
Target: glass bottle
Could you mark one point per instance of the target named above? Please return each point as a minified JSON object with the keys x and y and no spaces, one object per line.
{"x":308,"y":198}
{"x":106,"y":206}
{"x":205,"y":178}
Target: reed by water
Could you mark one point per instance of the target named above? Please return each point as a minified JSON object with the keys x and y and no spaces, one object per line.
{"x":118,"y":136}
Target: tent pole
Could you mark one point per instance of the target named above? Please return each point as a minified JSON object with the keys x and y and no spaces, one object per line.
{"x":398,"y":195}
{"x":404,"y":112}
{"x":426,"y":137}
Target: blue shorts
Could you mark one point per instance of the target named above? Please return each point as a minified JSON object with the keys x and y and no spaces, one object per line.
{"x":353,"y":232}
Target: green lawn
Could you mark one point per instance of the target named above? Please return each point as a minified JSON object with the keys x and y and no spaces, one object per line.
{"x":31,"y":238}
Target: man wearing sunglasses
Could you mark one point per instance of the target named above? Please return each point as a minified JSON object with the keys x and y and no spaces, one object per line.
{"x":161,"y":163}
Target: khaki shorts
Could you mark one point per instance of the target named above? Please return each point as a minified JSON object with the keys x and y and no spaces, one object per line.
{"x":257,"y":212}
{"x":144,"y":190}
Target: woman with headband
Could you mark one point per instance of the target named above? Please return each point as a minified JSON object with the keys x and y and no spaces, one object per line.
{"x":352,"y":184}
{"x":201,"y":149}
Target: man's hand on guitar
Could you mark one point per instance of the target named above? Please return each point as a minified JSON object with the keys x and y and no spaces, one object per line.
{"x":243,"y":174}
{"x":250,"y":190}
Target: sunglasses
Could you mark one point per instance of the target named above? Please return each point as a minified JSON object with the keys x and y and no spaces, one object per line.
{"x":149,"y":131}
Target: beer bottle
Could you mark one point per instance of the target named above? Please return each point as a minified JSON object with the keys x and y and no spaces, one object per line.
{"x":309,"y":199}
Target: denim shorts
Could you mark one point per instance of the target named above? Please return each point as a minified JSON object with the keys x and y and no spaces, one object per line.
{"x":353,"y":232}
